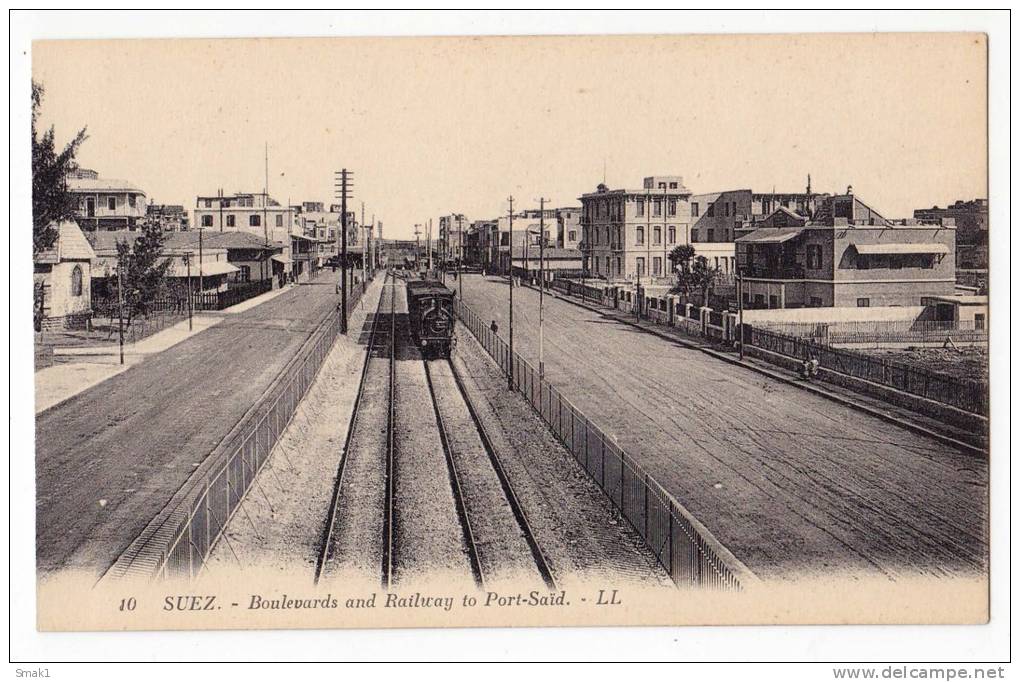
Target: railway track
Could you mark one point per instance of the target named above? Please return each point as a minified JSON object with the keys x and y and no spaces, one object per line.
{"x":481,"y":486}
{"x":361,"y":452}
{"x":390,"y":511}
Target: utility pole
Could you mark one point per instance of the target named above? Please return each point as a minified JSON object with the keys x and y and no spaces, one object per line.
{"x":187,"y":261}
{"x":364,"y":251}
{"x":417,"y":247}
{"x":510,"y":360}
{"x":541,"y":287}
{"x":460,"y":254}
{"x":740,"y":312}
{"x":120,"y":305}
{"x":201,"y":282}
{"x":344,"y":189}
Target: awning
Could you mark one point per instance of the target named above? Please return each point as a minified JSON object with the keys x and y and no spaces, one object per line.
{"x":876,"y":249}
{"x":280,"y":258}
{"x":207,"y":270}
{"x":768,"y":235}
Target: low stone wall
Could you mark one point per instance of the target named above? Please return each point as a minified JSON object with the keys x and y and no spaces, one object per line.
{"x":964,"y":420}
{"x":72,"y":321}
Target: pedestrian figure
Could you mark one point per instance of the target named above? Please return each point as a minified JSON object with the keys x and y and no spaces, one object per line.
{"x":494,"y":327}
{"x":809,"y":368}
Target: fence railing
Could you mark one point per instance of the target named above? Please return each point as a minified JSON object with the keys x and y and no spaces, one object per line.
{"x":970,"y":396}
{"x":882,"y":332}
{"x":682,"y":545}
{"x":178,"y":303}
{"x":178,"y":543}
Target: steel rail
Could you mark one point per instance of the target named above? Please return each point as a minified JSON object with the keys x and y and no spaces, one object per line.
{"x":458,"y":494}
{"x":327,"y":538}
{"x":388,"y":535}
{"x":511,"y":497}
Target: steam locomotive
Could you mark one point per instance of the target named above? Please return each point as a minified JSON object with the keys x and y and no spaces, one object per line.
{"x":430,"y":315}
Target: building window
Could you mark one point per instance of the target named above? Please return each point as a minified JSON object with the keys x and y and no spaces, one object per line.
{"x":747,"y":298}
{"x":76,"y":285}
{"x":597,"y":265}
{"x":672,"y":206}
{"x":618,"y":268}
{"x":657,"y":266}
{"x":639,"y":236}
{"x":207,"y":221}
{"x":208,"y":203}
{"x":254,"y":221}
{"x":710,"y":211}
{"x":711,"y":234}
{"x":814,"y":256}
{"x":640,"y":265}
{"x":656,"y":207}
{"x":672,"y":185}
{"x":657,"y":234}
{"x":694,"y":209}
{"x":773,"y":301}
{"x":864,"y":303}
{"x":726,"y":206}
{"x":596,"y":231}
{"x":640,"y":207}
{"x":603,"y":209}
{"x":231,"y":220}
{"x":672,"y":234}
{"x":572,"y":236}
{"x":279,"y":220}
{"x":111,"y":203}
{"x":694,"y":235}
{"x":245,"y":274}
{"x":816,"y":302}
{"x":131,"y":200}
{"x":662,"y":185}
{"x":979,"y":322}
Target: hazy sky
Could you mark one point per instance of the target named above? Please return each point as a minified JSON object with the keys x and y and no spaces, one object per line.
{"x":435,"y":125}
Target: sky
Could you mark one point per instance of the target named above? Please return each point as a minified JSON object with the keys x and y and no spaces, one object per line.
{"x":438,"y":125}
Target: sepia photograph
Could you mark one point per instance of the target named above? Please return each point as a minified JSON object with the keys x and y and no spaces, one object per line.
{"x":338,"y":329}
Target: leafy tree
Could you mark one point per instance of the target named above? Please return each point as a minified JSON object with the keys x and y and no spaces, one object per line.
{"x":52,"y":203}
{"x":681,"y":257}
{"x":703,"y":277}
{"x":143,"y":273}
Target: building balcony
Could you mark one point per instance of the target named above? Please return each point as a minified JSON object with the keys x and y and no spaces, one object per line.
{"x":793,"y":271}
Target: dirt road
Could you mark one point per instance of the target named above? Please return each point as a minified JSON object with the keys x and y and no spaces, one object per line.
{"x":791,"y":483}
{"x":110,"y":458}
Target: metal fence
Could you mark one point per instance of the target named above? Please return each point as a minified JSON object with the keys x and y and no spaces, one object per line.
{"x":684,"y":547}
{"x":970,"y":396}
{"x":178,"y":545}
{"x":882,"y":332}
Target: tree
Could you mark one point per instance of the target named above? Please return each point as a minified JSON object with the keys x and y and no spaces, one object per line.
{"x":142,"y":269}
{"x":704,"y":277}
{"x":52,"y":203}
{"x":680,"y":257}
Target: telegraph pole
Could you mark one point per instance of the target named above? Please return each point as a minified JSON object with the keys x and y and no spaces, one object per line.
{"x":120,"y":304}
{"x":460,"y":254}
{"x":343,"y":189}
{"x":510,"y":360}
{"x":187,"y":261}
{"x":364,"y":250}
{"x":740,"y":311}
{"x":417,"y":247}
{"x":541,"y":286}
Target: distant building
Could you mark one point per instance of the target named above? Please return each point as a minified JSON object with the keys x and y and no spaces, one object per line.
{"x":105,"y":203}
{"x":724,"y":216}
{"x":629,"y":233}
{"x":257,"y":213}
{"x":208,"y":268}
{"x":451,"y":228}
{"x":971,"y":218}
{"x":847,"y":255}
{"x":172,"y":217}
{"x":62,"y":278}
{"x":568,"y":229}
{"x":529,"y":261}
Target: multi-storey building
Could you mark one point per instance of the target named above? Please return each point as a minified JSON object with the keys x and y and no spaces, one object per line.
{"x":257,"y":213}
{"x":724,"y":216}
{"x":106,"y":203}
{"x":629,"y":233}
{"x":846,"y":255}
{"x":450,"y":238}
{"x":172,"y":217}
{"x":568,"y":229}
{"x":971,"y":218}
